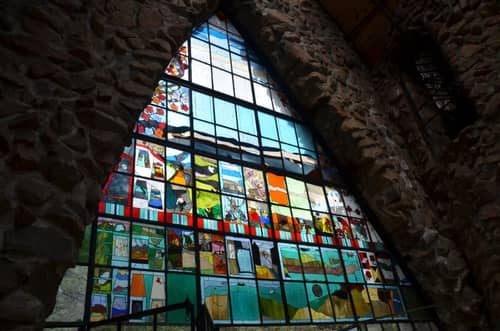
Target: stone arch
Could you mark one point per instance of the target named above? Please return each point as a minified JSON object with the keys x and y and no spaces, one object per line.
{"x":78,"y":76}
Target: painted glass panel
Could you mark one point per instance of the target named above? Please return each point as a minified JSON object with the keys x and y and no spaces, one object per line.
{"x":370,"y":267}
{"x":109,"y":293}
{"x":290,"y":261}
{"x":335,"y":201}
{"x":149,"y":160}
{"x":319,"y":302}
{"x":178,"y":128}
{"x":181,"y":250}
{"x":147,"y":291}
{"x":271,"y":302}
{"x":265,"y":259}
{"x":297,"y":304}
{"x":231,"y":178}
{"x":255,"y":185}
{"x":178,"y":167}
{"x":361,"y":301}
{"x":385,"y":266}
{"x":148,"y":202}
{"x":117,"y":195}
{"x":351,"y":205}
{"x":352,"y":266}
{"x":179,"y":64}
{"x":282,"y":222}
{"x":208,"y":205}
{"x":341,"y":301}
{"x":212,"y":254}
{"x":333,"y":264}
{"x":178,"y":98}
{"x":206,"y":172}
{"x":215,"y":296}
{"x":148,"y":247}
{"x":179,"y":205}
{"x":239,"y":257}
{"x":312,"y":265}
{"x":317,"y":198}
{"x":112,"y":243}
{"x":259,"y":219}
{"x":235,"y":215}
{"x":277,"y":189}
{"x":304,"y":225}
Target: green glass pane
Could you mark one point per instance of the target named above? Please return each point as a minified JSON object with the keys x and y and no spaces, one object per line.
{"x":83,"y":253}
{"x":181,"y":287}
{"x":208,"y":204}
{"x":297,"y":193}
{"x":244,"y":303}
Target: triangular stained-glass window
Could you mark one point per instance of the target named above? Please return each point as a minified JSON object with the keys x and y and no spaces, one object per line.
{"x":225,"y":198}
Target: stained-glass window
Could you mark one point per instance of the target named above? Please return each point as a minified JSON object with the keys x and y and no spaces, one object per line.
{"x":225,"y":198}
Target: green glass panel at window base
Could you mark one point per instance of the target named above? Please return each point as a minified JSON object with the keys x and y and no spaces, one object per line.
{"x":179,"y":288}
{"x":244,"y":291}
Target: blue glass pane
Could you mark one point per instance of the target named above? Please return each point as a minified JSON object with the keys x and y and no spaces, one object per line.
{"x":246,"y":120}
{"x":267,"y":126}
{"x":201,"y":32}
{"x":304,"y":136}
{"x":225,"y":113}
{"x":218,"y":37}
{"x":202,"y":106}
{"x":287,"y":131}
{"x":237,"y":45}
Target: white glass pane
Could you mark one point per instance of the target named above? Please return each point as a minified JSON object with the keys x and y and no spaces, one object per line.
{"x":240,"y":65}
{"x":220,"y":58}
{"x":262,"y":96}
{"x":201,"y":74}
{"x":242,"y":89}
{"x":222,"y":81}
{"x":200,"y":50}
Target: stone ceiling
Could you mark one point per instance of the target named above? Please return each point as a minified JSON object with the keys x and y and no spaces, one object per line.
{"x":365,"y":23}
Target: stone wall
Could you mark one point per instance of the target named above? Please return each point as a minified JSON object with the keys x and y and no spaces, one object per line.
{"x":462,"y":176}
{"x":74,"y":77}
